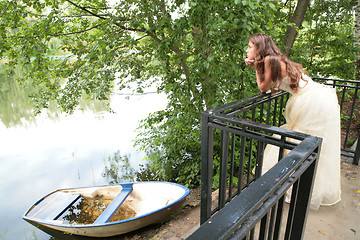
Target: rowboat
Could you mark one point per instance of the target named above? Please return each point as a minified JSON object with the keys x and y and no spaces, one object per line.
{"x":104,"y":211}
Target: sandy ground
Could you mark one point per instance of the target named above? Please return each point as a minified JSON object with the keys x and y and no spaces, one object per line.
{"x":340,"y":221}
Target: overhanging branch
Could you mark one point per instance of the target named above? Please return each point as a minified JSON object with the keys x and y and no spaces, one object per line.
{"x":86,"y":10}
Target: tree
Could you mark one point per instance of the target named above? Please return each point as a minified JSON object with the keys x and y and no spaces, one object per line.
{"x":325,"y":43}
{"x":357,"y":38}
{"x":191,"y":50}
{"x":292,"y":30}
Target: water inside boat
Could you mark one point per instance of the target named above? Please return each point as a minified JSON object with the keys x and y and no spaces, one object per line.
{"x":86,"y":211}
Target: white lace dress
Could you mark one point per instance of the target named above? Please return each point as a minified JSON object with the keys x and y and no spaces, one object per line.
{"x":314,"y":110}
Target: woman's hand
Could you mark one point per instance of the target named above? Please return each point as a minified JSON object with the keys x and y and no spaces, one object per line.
{"x":249,"y":62}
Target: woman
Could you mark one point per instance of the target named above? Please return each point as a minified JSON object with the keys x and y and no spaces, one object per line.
{"x":313,"y":109}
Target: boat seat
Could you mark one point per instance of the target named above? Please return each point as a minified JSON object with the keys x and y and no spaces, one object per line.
{"x":53,"y":206}
{"x":107,"y":214}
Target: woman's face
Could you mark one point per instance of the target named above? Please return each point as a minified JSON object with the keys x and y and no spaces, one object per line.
{"x":251,"y":51}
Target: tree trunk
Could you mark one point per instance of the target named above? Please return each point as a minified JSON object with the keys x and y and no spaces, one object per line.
{"x":357,"y":39}
{"x":297,"y":19}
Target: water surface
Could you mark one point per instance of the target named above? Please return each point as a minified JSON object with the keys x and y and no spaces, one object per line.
{"x":45,"y":154}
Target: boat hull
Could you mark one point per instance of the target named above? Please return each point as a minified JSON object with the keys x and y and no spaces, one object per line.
{"x":158,"y":201}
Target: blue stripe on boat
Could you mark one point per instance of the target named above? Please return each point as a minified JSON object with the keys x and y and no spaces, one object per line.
{"x":107,"y":214}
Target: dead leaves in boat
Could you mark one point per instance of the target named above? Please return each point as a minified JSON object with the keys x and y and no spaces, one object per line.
{"x":86,"y":211}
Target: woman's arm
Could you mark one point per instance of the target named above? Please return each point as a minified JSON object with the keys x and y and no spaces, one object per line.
{"x":265,"y":84}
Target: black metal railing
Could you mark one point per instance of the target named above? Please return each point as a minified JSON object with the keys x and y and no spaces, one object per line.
{"x":255,"y":201}
{"x":259,"y":210}
{"x":234,"y":137}
{"x":234,"y":154}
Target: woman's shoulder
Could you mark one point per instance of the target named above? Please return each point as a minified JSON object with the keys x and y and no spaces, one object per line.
{"x":272,"y":57}
{"x":272,"y":60}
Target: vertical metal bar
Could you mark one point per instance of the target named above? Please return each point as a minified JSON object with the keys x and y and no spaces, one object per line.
{"x":357,"y":151}
{"x":342,"y":98}
{"x":259,"y":160}
{"x":253,"y":114}
{"x":249,"y":168}
{"x":207,"y":135}
{"x":286,"y":100}
{"x":334,"y":83}
{"x":241,"y":163}
{"x":279,"y":216}
{"x":350,"y":116}
{"x":252,"y":233}
{"x":264,"y":226}
{"x":232,"y":163}
{"x":272,"y":222}
{"x":261,"y":113}
{"x":268,"y":112}
{"x":244,"y":115}
{"x":341,"y":108}
{"x":302,"y":201}
{"x":292,"y":207}
{"x":223,"y":167}
{"x":280,"y":110}
{"x":274,"y":112}
{"x":246,"y":237}
{"x":281,"y":150}
{"x":249,"y":162}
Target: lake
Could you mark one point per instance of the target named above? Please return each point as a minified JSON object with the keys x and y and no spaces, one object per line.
{"x":47,"y":153}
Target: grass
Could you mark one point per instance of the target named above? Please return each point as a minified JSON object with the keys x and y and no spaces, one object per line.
{"x":32,"y":233}
{"x":2,"y":235}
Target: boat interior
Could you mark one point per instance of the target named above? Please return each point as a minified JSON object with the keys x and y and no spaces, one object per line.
{"x":100,"y":205}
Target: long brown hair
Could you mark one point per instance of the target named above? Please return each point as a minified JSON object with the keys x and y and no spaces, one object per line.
{"x":266,"y":47}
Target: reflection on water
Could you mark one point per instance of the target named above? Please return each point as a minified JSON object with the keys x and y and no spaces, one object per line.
{"x":86,"y":211}
{"x":118,"y":169}
{"x":14,"y":105}
{"x":53,"y":151}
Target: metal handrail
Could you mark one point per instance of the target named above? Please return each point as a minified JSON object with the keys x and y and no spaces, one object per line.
{"x":235,"y":135}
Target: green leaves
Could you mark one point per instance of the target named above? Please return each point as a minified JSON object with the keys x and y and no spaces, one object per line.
{"x":325,"y":45}
{"x":191,"y":50}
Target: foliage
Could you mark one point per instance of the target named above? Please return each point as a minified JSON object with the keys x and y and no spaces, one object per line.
{"x":119,"y":169}
{"x":191,"y":50}
{"x":325,"y":45}
{"x":215,"y":61}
